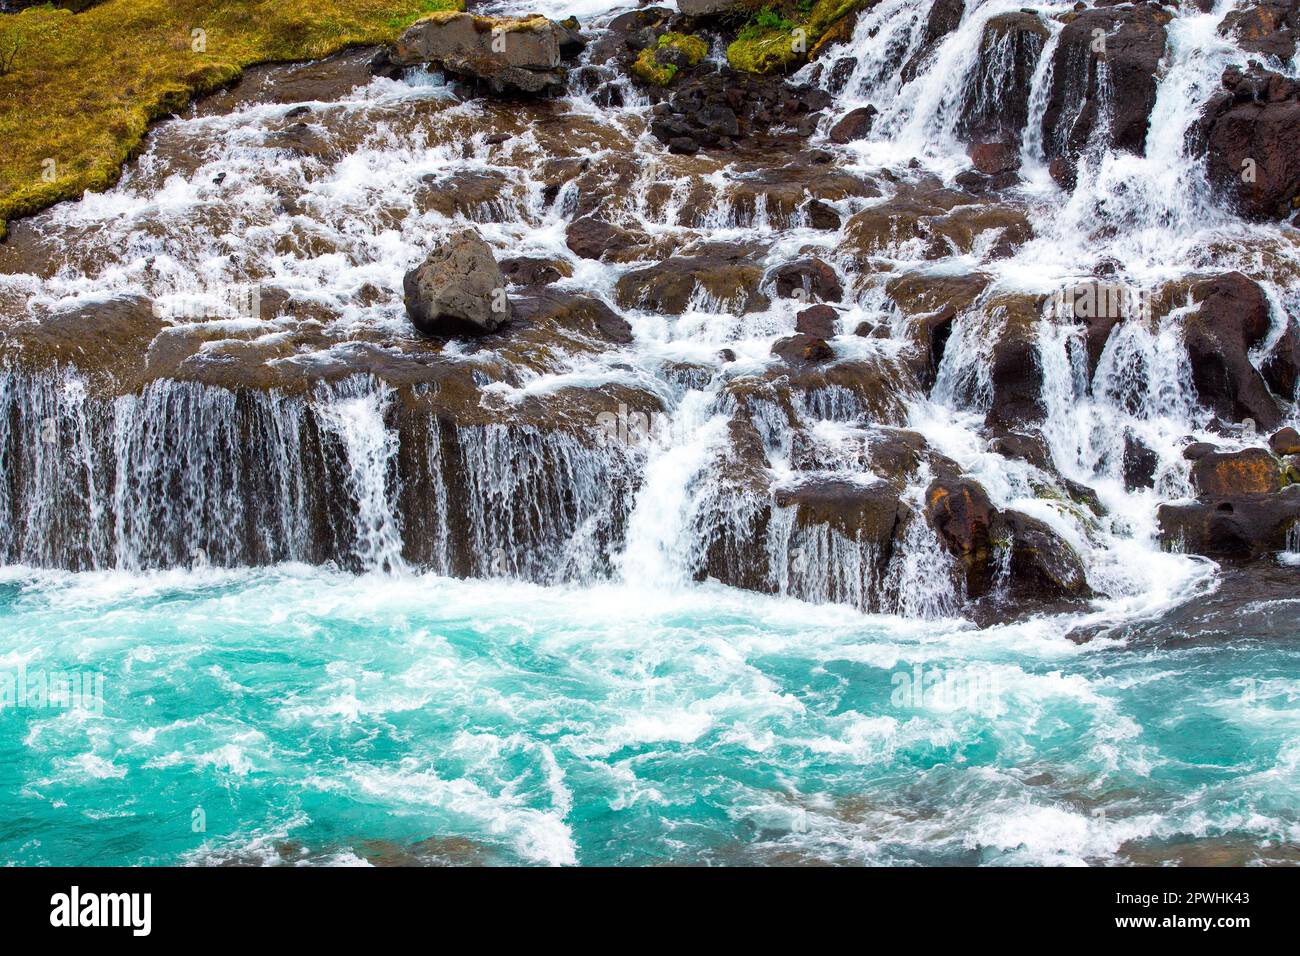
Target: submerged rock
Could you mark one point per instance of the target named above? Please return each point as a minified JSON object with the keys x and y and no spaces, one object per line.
{"x":458,"y":289}
{"x":727,"y":281}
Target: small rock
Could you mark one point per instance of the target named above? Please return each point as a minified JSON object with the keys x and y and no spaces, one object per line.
{"x":1285,"y":442}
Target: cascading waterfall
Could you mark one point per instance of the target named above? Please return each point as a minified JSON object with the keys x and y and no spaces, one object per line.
{"x":183,"y":473}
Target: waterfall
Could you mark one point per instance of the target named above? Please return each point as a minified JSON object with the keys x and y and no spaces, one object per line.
{"x":374,"y":467}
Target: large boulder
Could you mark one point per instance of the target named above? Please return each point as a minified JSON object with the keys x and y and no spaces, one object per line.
{"x":1015,"y":370}
{"x":508,"y":54}
{"x":1104,"y":77}
{"x":1251,"y":135}
{"x":1227,"y":474}
{"x":810,"y":280}
{"x":1285,"y":441}
{"x":1270,"y":27}
{"x":458,"y":289}
{"x":855,"y":125}
{"x":1241,"y":527}
{"x":995,"y":108}
{"x":961,"y":514}
{"x":1043,"y":566}
{"x":1234,"y":316}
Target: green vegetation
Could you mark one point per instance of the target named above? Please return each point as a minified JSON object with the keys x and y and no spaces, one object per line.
{"x":83,"y":87}
{"x":780,"y":39}
{"x":649,"y":67}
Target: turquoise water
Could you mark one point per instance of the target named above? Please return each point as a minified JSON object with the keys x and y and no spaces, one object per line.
{"x":304,"y":716}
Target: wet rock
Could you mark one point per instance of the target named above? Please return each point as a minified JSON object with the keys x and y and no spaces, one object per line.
{"x":994,"y":158}
{"x":1027,"y":448}
{"x":897,"y":455}
{"x":1233,"y":318}
{"x":1140,"y":463}
{"x":781,"y":191}
{"x":944,"y":17}
{"x":1043,"y":567}
{"x":532,"y":270}
{"x":729,"y":280}
{"x":821,"y":215}
{"x":1285,"y":442}
{"x":963,"y":516}
{"x":508,"y":55}
{"x":996,"y":105}
{"x":1118,"y":74}
{"x":1251,"y":136}
{"x":808,"y":279}
{"x":582,"y":314}
{"x":867,"y":514}
{"x":947,"y":223}
{"x":458,"y":289}
{"x":1228,"y":474}
{"x":933,"y":302}
{"x":572,"y":42}
{"x":723,"y":108}
{"x":1233,"y":528}
{"x":820,"y":322}
{"x":1270,"y":27}
{"x":1198,"y":449}
{"x":592,"y":237}
{"x":803,"y":349}
{"x":478,"y":196}
{"x":1281,"y":367}
{"x":108,"y":341}
{"x":300,"y":138}
{"x":1015,"y":371}
{"x":855,"y":125}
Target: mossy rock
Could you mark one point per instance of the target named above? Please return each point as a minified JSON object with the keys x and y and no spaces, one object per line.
{"x":772,"y":42}
{"x":653,"y":65}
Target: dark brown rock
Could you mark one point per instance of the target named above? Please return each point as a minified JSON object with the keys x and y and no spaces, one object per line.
{"x":1251,"y":134}
{"x":819,"y":322}
{"x":1134,"y":45}
{"x":1233,"y":318}
{"x":1229,"y":474}
{"x":809,"y":279}
{"x":1237,"y":528}
{"x":1285,"y":442}
{"x":855,"y":125}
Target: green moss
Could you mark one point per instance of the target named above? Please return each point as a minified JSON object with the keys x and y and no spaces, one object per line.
{"x":773,"y":42}
{"x":648,"y":67}
{"x":85,"y":86}
{"x":695,"y":48}
{"x":766,"y":52}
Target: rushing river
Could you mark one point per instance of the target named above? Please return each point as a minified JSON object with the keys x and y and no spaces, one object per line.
{"x":206,"y":666}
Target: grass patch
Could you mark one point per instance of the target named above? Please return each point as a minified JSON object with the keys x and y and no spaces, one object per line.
{"x":83,"y":87}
